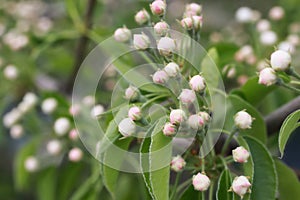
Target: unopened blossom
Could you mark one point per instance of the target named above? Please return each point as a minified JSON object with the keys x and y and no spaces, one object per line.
{"x":135,"y":113}
{"x":122,"y":34}
{"x":12,"y":117}
{"x":276,"y":13}
{"x":267,"y":76}
{"x":201,"y":182}
{"x":280,"y":60}
{"x":74,"y":109}
{"x":16,"y":131}
{"x":97,"y":110}
{"x":244,"y":15}
{"x":240,"y":155}
{"x":127,"y":127}
{"x":287,"y":46}
{"x":166,"y":46}
{"x":15,"y":40}
{"x":158,"y":7}
{"x":197,"y":21}
{"x":205,"y":116}
{"x":160,"y":77}
{"x":196,"y":122}
{"x":142,"y":17}
{"x":177,"y":116}
{"x":169,"y":129}
{"x":11,"y":72}
{"x":241,"y":185}
{"x":172,"y":69}
{"x":54,"y":147}
{"x":243,"y":120}
{"x":31,"y":164}
{"x":141,"y":41}
{"x":263,"y":25}
{"x":161,"y":28}
{"x":243,"y":53}
{"x":187,"y":23}
{"x":177,"y":163}
{"x":293,"y":39}
{"x":131,"y":93}
{"x":62,"y":126}
{"x":73,"y":134}
{"x":268,"y":38}
{"x":187,"y":96}
{"x":75,"y":154}
{"x":89,"y":100}
{"x":197,"y":83}
{"x":49,"y":105}
{"x":193,"y":8}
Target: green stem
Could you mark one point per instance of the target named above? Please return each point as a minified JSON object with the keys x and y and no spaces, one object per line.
{"x":176,"y":184}
{"x":184,"y":184}
{"x":152,"y":100}
{"x":295,"y":82}
{"x":225,"y":146}
{"x":281,"y":83}
{"x":211,"y":191}
{"x":291,"y":71}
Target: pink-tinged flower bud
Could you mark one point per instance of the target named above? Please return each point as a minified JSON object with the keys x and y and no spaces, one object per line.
{"x":172,"y":69}
{"x":187,"y":23}
{"x":193,"y":8}
{"x":196,"y":122}
{"x":158,"y":7}
{"x":54,"y":147}
{"x":141,"y":41}
{"x":122,"y":34}
{"x":161,"y":28}
{"x":267,"y":76}
{"x":268,"y":38}
{"x":197,"y":83}
{"x":127,"y":127}
{"x":240,"y":185}
{"x":197,"y":22}
{"x":89,"y":100}
{"x":160,"y":77}
{"x":177,"y":116}
{"x":166,"y":46}
{"x":49,"y":105}
{"x":201,"y":182}
{"x":280,"y":60}
{"x":205,"y":116}
{"x":169,"y":129}
{"x":73,"y":134}
{"x":187,"y":96}
{"x":74,"y":109}
{"x":62,"y":126}
{"x":135,"y":113}
{"x":31,"y":164}
{"x":263,"y":25}
{"x":16,"y":131}
{"x":240,"y":155}
{"x":131,"y":93}
{"x":11,"y":72}
{"x":177,"y":163}
{"x":243,"y":120}
{"x":75,"y":154}
{"x":97,"y":110}
{"x":276,"y":13}
{"x":293,"y":39}
{"x":244,"y":15}
{"x":142,"y":17}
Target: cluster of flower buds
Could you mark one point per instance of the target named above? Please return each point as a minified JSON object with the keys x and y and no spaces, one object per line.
{"x":127,"y":126}
{"x":162,"y":76}
{"x":192,"y":18}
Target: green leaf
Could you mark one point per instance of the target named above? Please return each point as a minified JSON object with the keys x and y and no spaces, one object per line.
{"x":46,"y":187}
{"x":264,"y":183}
{"x":288,"y":183}
{"x":287,"y":128}
{"x":224,"y":185}
{"x":191,"y":193}
{"x":209,"y":69}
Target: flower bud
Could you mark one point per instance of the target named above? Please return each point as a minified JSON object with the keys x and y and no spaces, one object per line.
{"x":196,"y":122}
{"x":135,"y":113}
{"x":244,"y":15}
{"x":122,"y":34}
{"x":177,"y":116}
{"x":141,"y":41}
{"x":73,"y":134}
{"x":160,"y":77}
{"x":97,"y":110}
{"x":11,"y":72}
{"x":280,"y":60}
{"x":243,"y":120}
{"x":89,"y":100}
{"x":172,"y":69}
{"x":31,"y":164}
{"x":161,"y":28}
{"x":131,"y":93}
{"x":240,"y":155}
{"x":267,"y":76}
{"x":287,"y":46}
{"x":142,"y":17}
{"x":187,"y":23}
{"x":197,"y":83}
{"x":276,"y":13}
{"x":193,"y":8}
{"x":205,"y":116}
{"x":49,"y":105}
{"x":54,"y":147}
{"x":16,"y":131}
{"x":61,"y":126}
{"x":169,"y":129}
{"x":187,"y":96}
{"x":74,"y":109}
{"x":166,"y":46}
{"x":75,"y":154}
{"x":197,"y":22}
{"x":240,"y":185}
{"x":201,"y":182}
{"x":268,"y":38}
{"x":263,"y":25}
{"x":127,"y":127}
{"x":158,"y":7}
{"x":177,"y":163}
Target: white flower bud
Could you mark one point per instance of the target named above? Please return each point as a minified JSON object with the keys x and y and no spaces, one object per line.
{"x":11,"y":72}
{"x":166,"y":46}
{"x":62,"y":126}
{"x":30,"y":99}
{"x":122,"y":34}
{"x":169,"y":129}
{"x":16,"y":131}
{"x":74,"y":109}
{"x":196,"y":122}
{"x":201,"y":182}
{"x":240,"y":185}
{"x":75,"y":154}
{"x":31,"y":164}
{"x":187,"y":23}
{"x":161,"y":28}
{"x":293,"y":39}
{"x":49,"y":105}
{"x":276,"y":13}
{"x":89,"y":101}
{"x":197,"y":83}
{"x":142,"y":17}
{"x":127,"y":127}
{"x":267,"y":76}
{"x":244,"y":15}
{"x":11,"y":117}
{"x":205,"y":116}
{"x":73,"y":134}
{"x":187,"y":96}
{"x":280,"y":60}
{"x":172,"y":69}
{"x":287,"y":46}
{"x":240,"y":155}
{"x":177,"y":116}
{"x":243,"y":120}
{"x":197,"y":22}
{"x":158,"y":7}
{"x":97,"y":110}
{"x":54,"y":147}
{"x":194,"y":8}
{"x":268,"y":38}
{"x":141,"y":41}
{"x":131,"y":93}
{"x":177,"y":163}
{"x":160,"y":77}
{"x":263,"y":25}
{"x":135,"y":113}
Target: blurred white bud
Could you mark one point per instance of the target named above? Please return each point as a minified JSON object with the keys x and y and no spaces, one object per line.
{"x":73,"y":134}
{"x":131,"y":93}
{"x":267,"y":76}
{"x":193,"y":8}
{"x":187,"y":96}
{"x":197,"y":22}
{"x":75,"y":154}
{"x":11,"y":117}
{"x":44,"y":25}
{"x":127,"y":127}
{"x":160,"y":77}
{"x":74,"y":109}
{"x":122,"y":34}
{"x":293,"y":39}
{"x":54,"y":147}
{"x":158,"y":7}
{"x":49,"y":105}
{"x":187,"y":23}
{"x":89,"y":101}
{"x":11,"y":72}
{"x":62,"y":126}
{"x":141,"y":41}
{"x":280,"y":60}
{"x":16,"y":131}
{"x":276,"y":13}
{"x":172,"y":69}
{"x":15,"y":40}
{"x":196,"y":122}
{"x":142,"y":17}
{"x":263,"y":25}
{"x":135,"y":113}
{"x":166,"y":46}
{"x":287,"y":46}
{"x":161,"y":28}
{"x":31,"y":164}
{"x":268,"y":38}
{"x":97,"y":110}
{"x":177,"y":116}
{"x":244,"y":15}
{"x":197,"y":83}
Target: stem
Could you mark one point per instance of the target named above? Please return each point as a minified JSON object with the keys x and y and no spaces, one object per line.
{"x":295,"y":82}
{"x":227,"y":142}
{"x":184,"y":184}
{"x":175,"y":184}
{"x":291,"y":71}
{"x":281,"y":83}
{"x":211,"y":191}
{"x":152,"y":100}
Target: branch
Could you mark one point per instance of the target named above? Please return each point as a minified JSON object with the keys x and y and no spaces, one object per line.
{"x":276,"y":118}
{"x":81,"y":48}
